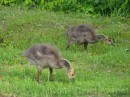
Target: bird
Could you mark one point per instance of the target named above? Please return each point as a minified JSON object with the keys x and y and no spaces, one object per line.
{"x":85,"y":34}
{"x":48,"y":56}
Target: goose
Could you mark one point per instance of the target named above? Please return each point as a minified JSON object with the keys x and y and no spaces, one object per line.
{"x":85,"y":34}
{"x":48,"y":56}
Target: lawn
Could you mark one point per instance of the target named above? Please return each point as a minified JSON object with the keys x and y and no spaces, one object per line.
{"x":101,"y":70}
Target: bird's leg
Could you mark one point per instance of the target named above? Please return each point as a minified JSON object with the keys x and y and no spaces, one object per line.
{"x":70,"y":42}
{"x":39,"y":74}
{"x":51,"y":75}
{"x":85,"y":45}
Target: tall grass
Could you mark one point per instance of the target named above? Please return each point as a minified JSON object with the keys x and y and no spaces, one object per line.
{"x":102,"y":7}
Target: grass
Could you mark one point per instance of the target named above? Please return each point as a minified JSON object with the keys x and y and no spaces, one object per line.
{"x":101,"y":70}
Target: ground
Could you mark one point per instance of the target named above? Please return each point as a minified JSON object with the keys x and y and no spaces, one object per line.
{"x":101,"y":70}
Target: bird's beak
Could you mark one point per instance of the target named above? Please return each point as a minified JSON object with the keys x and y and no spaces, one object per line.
{"x":72,"y":79}
{"x":112,"y":44}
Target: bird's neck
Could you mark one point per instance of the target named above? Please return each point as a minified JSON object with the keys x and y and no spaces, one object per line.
{"x":100,"y":37}
{"x":65,"y":63}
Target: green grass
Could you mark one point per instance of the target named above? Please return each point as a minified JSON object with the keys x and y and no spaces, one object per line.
{"x":101,"y":70}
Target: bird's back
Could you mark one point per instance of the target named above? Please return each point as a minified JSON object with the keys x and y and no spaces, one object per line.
{"x":40,"y":51}
{"x":84,"y":32}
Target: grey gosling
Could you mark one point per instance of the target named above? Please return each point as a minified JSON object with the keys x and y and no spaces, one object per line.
{"x":46,"y":55}
{"x":85,"y":34}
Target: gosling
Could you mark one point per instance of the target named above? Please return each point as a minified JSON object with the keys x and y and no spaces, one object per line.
{"x":85,"y":34}
{"x":47,"y":55}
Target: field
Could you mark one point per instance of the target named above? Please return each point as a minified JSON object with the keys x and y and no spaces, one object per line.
{"x":101,"y":70}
